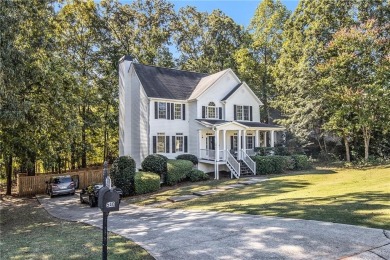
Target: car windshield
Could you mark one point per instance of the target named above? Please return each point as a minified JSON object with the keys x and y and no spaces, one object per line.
{"x":62,"y":180}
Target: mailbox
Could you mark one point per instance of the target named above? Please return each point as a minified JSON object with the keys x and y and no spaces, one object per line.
{"x":108,"y":200}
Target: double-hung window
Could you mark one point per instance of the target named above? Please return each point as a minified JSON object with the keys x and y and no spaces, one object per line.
{"x":211,"y":111}
{"x":249,"y":142}
{"x":178,"y":112}
{"x":179,"y":143}
{"x":243,"y":113}
{"x":161,"y":143}
{"x":162,"y":110}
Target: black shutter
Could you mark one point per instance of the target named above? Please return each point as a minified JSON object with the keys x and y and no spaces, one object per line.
{"x":156,"y":110}
{"x":154,"y":144}
{"x":203,"y":112}
{"x":168,"y":110}
{"x":220,"y":112}
{"x":185,"y":144}
{"x":235,"y":112}
{"x":184,"y":112}
{"x":173,"y":144}
{"x":242,"y":143}
{"x":172,"y":111}
{"x":167,"y":144}
{"x":250,"y":114}
{"x":231,"y":142}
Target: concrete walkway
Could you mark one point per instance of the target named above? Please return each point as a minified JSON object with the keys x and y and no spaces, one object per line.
{"x":178,"y":234}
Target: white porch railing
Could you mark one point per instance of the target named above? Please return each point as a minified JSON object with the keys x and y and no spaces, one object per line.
{"x":233,"y":165}
{"x":207,"y":154}
{"x":248,"y":161}
{"x":250,"y":152}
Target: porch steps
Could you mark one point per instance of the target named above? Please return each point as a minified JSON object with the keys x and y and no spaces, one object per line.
{"x":245,"y":170}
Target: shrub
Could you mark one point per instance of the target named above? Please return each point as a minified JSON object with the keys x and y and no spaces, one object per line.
{"x":301,"y":162}
{"x":197,"y":175}
{"x":271,"y":164}
{"x":122,"y":174}
{"x":156,"y":163}
{"x":188,"y":157}
{"x":177,"y":171}
{"x":145,"y":182}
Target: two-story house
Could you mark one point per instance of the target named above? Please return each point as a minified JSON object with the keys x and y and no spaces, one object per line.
{"x":170,"y":112}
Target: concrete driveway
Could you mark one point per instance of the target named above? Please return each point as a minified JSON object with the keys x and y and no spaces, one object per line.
{"x":179,"y":234}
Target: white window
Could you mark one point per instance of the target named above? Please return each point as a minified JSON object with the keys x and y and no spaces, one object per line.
{"x":249,"y":142}
{"x":178,"y":111}
{"x":211,"y":110}
{"x":239,"y":112}
{"x":242,"y":113}
{"x":162,"y":110}
{"x":161,"y":143}
{"x":179,"y":144}
{"x":246,"y":113}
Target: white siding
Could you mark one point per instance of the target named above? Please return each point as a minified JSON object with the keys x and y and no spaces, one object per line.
{"x":242,"y":97}
{"x":194,"y":126}
{"x":217,"y":92}
{"x":167,"y":126}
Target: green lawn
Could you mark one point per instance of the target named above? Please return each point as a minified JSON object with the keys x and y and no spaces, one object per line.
{"x":29,"y":232}
{"x":350,"y":196}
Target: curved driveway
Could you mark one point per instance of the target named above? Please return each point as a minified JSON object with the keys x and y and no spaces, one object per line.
{"x":178,"y":234}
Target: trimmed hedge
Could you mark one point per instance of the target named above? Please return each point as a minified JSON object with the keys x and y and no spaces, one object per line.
{"x":177,"y":170}
{"x":146,"y":182}
{"x":188,"y":157}
{"x":301,"y":162}
{"x":197,"y":175}
{"x":278,"y":164}
{"x":156,"y":163}
{"x":122,"y":174}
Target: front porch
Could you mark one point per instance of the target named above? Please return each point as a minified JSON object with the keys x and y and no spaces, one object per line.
{"x":232,"y":144}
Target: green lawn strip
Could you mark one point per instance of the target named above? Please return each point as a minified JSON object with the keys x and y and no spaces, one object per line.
{"x":350,"y":196}
{"x":183,"y":189}
{"x":29,"y":232}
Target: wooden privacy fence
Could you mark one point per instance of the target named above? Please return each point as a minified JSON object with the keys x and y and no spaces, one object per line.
{"x":31,"y":185}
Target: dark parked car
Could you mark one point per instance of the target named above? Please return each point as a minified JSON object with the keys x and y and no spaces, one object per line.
{"x":60,"y":185}
{"x":91,"y":193}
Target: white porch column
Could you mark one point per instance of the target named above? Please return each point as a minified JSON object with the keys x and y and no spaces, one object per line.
{"x":216,"y":154}
{"x":265,"y":139}
{"x":239,"y":145}
{"x":272,"y":138}
{"x":244,"y":141}
{"x":200,"y":143}
{"x":224,"y":144}
{"x":257,"y":139}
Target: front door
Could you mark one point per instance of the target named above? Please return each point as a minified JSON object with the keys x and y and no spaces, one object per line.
{"x":210,"y":147}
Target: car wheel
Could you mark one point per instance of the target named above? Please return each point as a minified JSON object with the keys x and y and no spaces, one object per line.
{"x":91,"y":201}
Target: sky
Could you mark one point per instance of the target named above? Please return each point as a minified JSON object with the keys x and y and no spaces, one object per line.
{"x":241,"y":11}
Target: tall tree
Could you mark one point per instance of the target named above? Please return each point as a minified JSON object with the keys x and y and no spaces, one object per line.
{"x":266,"y":29}
{"x":205,"y":41}
{"x":77,"y":32}
{"x":357,"y":81}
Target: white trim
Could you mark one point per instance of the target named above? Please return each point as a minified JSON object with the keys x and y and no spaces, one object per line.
{"x":249,"y":90}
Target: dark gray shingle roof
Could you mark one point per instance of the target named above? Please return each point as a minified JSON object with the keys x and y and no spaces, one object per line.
{"x":167,"y":83}
{"x":257,"y":124}
{"x":231,"y":92}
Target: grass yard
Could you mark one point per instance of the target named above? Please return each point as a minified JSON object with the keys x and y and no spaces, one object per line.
{"x":350,"y":196}
{"x":29,"y":232}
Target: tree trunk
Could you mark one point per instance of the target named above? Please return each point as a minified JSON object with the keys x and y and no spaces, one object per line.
{"x":8,"y":169}
{"x":366,"y":136}
{"x":83,"y":140}
{"x":347,"y":156}
{"x":265,"y":92}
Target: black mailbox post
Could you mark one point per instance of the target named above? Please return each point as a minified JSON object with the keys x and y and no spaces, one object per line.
{"x":108,"y":200}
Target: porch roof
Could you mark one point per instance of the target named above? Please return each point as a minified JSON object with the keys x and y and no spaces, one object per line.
{"x":244,"y":124}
